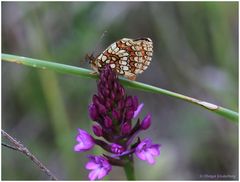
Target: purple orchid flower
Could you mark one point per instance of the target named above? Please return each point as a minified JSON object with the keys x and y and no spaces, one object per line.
{"x":113,"y":111}
{"x":147,"y":151}
{"x":100,"y":167}
{"x":85,"y":141}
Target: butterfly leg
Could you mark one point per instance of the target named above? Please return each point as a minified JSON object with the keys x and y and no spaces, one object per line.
{"x":94,"y":73}
{"x":132,"y":77}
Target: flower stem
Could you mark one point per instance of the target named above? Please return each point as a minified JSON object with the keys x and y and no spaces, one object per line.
{"x":227,"y":113}
{"x":129,"y":169}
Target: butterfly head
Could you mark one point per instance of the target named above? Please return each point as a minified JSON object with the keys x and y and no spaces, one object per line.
{"x":91,"y":59}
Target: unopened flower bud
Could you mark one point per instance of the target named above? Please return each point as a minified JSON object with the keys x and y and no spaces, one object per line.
{"x":107,"y":121}
{"x":115,"y":86}
{"x":129,"y":114}
{"x":146,"y":122}
{"x":97,"y":130}
{"x":126,"y":128}
{"x":112,"y":95}
{"x":101,"y":97}
{"x":121,"y":91}
{"x":116,"y":115}
{"x":101,"y":109}
{"x":120,"y":104}
{"x":108,"y":103}
{"x":93,"y":113}
{"x":129,"y":101}
{"x":95,"y":99}
{"x":106,"y":92}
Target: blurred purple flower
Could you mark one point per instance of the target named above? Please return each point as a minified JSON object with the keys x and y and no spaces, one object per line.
{"x":100,"y":167}
{"x":146,"y":151}
{"x":85,"y":141}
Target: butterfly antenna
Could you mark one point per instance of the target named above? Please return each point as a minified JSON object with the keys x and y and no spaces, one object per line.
{"x":90,"y":57}
{"x":98,"y":42}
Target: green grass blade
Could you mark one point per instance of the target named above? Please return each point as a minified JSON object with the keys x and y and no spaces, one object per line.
{"x":227,"y":113}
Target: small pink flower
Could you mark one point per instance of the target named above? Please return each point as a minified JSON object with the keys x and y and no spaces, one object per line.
{"x":147,"y":151}
{"x":85,"y":141}
{"x":100,"y":167}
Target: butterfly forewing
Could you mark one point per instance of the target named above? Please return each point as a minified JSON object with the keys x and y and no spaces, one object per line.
{"x":127,"y":57}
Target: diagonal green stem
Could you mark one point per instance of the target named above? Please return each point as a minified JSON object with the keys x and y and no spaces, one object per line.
{"x":227,"y":113}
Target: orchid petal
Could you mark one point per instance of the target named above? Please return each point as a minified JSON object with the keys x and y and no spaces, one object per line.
{"x":91,"y":165}
{"x":93,"y":174}
{"x":101,"y":173}
{"x":139,"y":108}
{"x":150,"y":158}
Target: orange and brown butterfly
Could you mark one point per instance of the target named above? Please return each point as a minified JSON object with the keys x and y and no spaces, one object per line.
{"x":127,"y":57}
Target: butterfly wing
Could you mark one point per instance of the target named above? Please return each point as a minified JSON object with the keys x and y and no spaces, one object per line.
{"x":127,"y":57}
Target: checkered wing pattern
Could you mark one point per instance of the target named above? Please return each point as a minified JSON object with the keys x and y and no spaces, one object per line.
{"x":127,"y":57}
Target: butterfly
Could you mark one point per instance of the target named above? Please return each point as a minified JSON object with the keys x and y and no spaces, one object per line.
{"x":127,"y":57}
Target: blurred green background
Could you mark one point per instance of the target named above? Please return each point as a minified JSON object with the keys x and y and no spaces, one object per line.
{"x":195,"y":53}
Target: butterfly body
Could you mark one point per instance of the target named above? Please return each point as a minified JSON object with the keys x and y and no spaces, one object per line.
{"x":127,"y":57}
